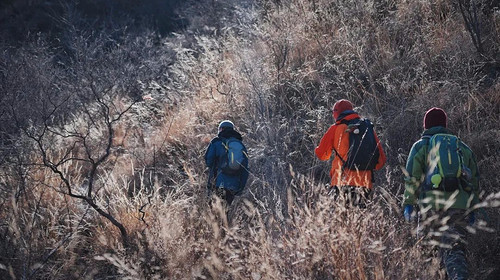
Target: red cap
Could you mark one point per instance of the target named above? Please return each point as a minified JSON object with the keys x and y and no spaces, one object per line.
{"x":435,"y":117}
{"x":341,"y":106}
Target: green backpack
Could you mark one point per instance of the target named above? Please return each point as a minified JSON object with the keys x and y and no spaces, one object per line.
{"x":444,"y":162}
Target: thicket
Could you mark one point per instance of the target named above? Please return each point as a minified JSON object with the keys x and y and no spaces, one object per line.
{"x":104,"y":124}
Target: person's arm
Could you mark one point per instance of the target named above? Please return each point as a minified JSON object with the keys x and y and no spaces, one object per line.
{"x":415,"y":170}
{"x":211,"y":162}
{"x":210,"y":154}
{"x":382,"y":158}
{"x":244,"y":172}
{"x":470,"y":162}
{"x":325,"y":147}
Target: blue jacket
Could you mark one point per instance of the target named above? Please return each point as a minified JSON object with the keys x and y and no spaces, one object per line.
{"x":213,"y":159}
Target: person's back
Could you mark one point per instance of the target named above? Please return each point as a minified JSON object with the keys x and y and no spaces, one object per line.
{"x":446,"y":194}
{"x":427,"y":194}
{"x":227,"y":160}
{"x":356,"y":182}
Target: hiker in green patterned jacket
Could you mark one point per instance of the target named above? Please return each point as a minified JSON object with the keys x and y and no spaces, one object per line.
{"x":443,"y":181}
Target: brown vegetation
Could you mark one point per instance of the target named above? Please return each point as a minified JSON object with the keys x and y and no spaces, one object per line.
{"x":117,"y":120}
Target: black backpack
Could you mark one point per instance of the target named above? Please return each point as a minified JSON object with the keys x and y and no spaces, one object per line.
{"x":363,"y":151}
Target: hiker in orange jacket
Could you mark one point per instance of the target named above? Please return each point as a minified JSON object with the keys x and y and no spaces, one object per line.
{"x":355,"y":182}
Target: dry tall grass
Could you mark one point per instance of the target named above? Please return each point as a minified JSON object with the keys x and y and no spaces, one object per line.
{"x":275,"y":69}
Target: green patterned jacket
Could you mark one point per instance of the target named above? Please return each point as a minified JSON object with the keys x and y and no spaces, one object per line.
{"x":416,"y":191}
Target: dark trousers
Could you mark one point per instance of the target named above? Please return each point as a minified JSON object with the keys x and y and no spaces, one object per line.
{"x":448,"y":230}
{"x":225,"y":194}
{"x":453,"y":250}
{"x":352,"y":195}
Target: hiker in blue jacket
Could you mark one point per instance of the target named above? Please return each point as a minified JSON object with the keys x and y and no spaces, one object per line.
{"x":227,"y":160}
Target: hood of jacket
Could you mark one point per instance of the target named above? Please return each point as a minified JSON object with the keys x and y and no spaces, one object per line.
{"x":347,"y":116}
{"x":228,"y":133}
{"x":435,"y":130}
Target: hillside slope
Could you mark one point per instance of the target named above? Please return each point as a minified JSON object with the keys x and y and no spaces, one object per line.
{"x":104,"y":124}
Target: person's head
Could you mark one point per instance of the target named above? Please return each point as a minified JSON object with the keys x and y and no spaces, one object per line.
{"x":226,"y":124}
{"x":435,"y":117}
{"x":341,"y":106}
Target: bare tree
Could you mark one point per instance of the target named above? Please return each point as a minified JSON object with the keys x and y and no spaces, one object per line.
{"x":88,"y":141}
{"x":469,"y":11}
{"x":69,"y":110}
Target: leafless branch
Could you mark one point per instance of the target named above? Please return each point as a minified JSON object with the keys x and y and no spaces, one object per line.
{"x":468,"y":9}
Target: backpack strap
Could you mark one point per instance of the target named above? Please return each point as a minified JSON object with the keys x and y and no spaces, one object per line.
{"x":341,"y":159}
{"x":350,"y":122}
{"x":425,"y":187}
{"x":427,"y":140}
{"x":335,"y":150}
{"x":224,"y":142}
{"x":347,"y":123}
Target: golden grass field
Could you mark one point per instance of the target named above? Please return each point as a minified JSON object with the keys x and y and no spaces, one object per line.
{"x":103,"y":176}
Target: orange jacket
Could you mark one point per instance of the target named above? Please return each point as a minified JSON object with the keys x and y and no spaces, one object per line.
{"x":337,"y":137}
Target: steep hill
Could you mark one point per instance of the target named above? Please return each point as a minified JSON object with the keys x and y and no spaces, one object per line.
{"x":107,"y":107}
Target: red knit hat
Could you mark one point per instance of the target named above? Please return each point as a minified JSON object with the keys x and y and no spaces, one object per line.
{"x":435,"y":117}
{"x":341,"y":106}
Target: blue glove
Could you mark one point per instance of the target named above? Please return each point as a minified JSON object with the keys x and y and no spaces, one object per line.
{"x":472,"y":218}
{"x":407,"y":212}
